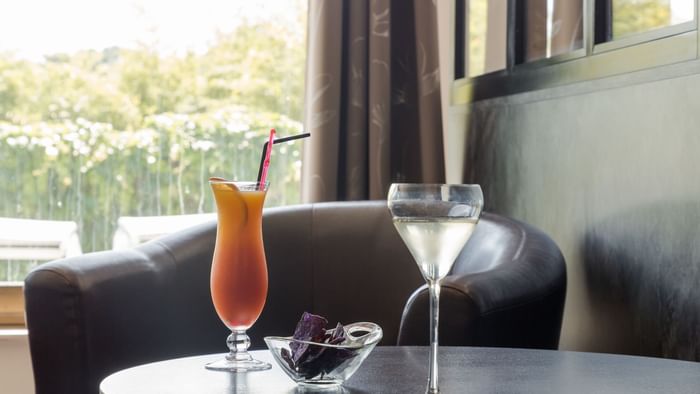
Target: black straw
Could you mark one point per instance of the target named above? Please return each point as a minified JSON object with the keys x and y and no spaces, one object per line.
{"x":277,"y":141}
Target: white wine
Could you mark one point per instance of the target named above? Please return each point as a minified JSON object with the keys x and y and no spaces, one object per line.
{"x":435,"y":242}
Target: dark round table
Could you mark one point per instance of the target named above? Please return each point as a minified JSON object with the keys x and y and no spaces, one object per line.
{"x":405,"y":370}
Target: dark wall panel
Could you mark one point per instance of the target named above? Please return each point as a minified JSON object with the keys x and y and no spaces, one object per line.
{"x":612,"y":173}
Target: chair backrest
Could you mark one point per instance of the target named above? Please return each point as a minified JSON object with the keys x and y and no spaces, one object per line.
{"x":342,"y":260}
{"x":94,"y":314}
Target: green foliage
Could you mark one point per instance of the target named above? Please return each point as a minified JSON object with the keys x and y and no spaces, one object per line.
{"x":257,"y":75}
{"x":478,"y":13}
{"x":92,"y":173}
{"x":635,"y":16}
{"x":96,"y":135}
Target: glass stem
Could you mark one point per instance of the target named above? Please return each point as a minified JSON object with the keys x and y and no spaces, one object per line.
{"x":238,"y":343}
{"x":434,"y":288}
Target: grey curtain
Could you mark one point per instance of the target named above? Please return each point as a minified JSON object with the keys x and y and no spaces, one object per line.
{"x":372,"y":98}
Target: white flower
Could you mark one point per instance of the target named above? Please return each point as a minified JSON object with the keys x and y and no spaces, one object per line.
{"x":22,"y":140}
{"x":51,"y":151}
{"x":203,"y":145}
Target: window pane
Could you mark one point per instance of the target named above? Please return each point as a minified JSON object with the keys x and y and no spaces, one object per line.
{"x":116,"y":109}
{"x":636,"y":16}
{"x":486,"y":33}
{"x":552,"y":27}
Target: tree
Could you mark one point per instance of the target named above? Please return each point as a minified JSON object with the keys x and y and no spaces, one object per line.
{"x":634,"y":16}
{"x":95,"y":135}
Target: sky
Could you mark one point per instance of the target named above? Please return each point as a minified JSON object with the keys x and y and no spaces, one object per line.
{"x":33,"y":28}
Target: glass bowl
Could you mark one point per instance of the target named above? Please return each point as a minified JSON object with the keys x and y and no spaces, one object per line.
{"x":322,"y":364}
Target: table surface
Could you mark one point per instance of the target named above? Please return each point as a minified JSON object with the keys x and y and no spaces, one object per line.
{"x":405,"y":369}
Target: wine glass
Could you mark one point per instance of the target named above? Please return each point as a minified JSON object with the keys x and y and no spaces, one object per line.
{"x":435,"y":222}
{"x":239,"y":269}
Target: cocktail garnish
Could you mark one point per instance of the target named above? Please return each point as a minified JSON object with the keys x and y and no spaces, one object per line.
{"x":224,"y":184}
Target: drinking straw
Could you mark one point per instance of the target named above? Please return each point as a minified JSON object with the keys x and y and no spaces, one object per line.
{"x":262,"y":176}
{"x":265,"y":156}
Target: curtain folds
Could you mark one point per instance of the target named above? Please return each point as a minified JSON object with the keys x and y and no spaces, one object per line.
{"x":372,"y":98}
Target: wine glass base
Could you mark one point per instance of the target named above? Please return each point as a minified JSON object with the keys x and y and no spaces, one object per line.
{"x":238,"y":365}
{"x":316,"y":386}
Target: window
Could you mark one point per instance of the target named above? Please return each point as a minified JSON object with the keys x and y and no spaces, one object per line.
{"x":630,"y":17}
{"x":485,"y":36}
{"x":550,"y":28}
{"x":550,"y":43}
{"x":118,"y":109}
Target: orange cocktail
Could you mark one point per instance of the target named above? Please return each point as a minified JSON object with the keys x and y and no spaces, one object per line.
{"x":239,"y":269}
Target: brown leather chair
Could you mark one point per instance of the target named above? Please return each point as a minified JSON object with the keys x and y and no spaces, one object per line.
{"x":92,"y":315}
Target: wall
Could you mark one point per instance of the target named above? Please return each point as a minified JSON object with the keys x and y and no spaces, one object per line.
{"x":611,"y":170}
{"x":15,"y":363}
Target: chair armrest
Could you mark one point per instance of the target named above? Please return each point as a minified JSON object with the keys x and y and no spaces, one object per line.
{"x":136,"y":301}
{"x":507,"y":288}
{"x":465,"y":320}
{"x":458,"y":314}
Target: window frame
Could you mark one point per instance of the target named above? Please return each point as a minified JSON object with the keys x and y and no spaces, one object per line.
{"x":460,"y":33}
{"x":672,"y":44}
{"x":518,"y":24}
{"x":640,"y":38}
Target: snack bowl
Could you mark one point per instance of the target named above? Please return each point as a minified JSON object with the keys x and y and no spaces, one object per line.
{"x":320,"y":365}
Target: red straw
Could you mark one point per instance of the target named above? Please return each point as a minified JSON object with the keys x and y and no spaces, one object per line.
{"x":266,"y":164}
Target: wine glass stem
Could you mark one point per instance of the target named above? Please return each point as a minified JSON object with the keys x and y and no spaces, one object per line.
{"x":434,"y":288}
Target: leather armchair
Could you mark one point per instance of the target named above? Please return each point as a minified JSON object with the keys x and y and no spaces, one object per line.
{"x":91,"y":315}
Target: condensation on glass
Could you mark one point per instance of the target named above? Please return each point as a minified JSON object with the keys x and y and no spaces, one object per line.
{"x":637,"y":16}
{"x":552,"y":28}
{"x":487,"y":30}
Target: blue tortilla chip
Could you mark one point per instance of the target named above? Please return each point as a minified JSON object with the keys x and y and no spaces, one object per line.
{"x":338,"y":335}
{"x":310,"y":328}
{"x":313,"y":360}
{"x":287,"y":358}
